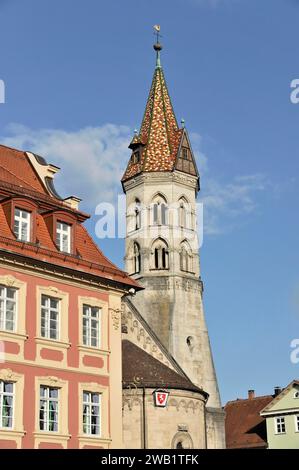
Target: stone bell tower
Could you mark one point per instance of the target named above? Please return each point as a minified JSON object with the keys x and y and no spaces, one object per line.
{"x":161,"y":183}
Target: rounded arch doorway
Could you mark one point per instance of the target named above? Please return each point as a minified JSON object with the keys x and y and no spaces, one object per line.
{"x":182,"y":440}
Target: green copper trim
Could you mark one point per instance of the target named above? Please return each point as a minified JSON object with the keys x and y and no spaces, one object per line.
{"x":158,"y":61}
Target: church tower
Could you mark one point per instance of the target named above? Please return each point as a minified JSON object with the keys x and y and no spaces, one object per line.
{"x":161,"y":183}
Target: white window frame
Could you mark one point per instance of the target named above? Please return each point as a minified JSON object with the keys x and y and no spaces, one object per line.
{"x":296,"y":394}
{"x":296,"y":423}
{"x":279,"y":422}
{"x":89,"y":404}
{"x":63,"y":229}
{"x":87,"y":342}
{"x":47,"y":399}
{"x":22,"y":222}
{"x":3,"y":312}
{"x":2,"y":395}
{"x":48,"y":310}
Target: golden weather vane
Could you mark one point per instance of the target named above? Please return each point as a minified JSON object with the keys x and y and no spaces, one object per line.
{"x":157,"y":33}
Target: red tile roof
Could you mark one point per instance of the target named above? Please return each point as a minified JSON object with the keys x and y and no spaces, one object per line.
{"x":14,"y":168}
{"x":19,"y":178}
{"x":244,"y":427}
{"x":143,"y":370}
{"x":159,"y":131}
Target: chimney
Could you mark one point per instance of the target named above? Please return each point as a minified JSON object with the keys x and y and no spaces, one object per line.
{"x":251,"y":394}
{"x":277,"y":391}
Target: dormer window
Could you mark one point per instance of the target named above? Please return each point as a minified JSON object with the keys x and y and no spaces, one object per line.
{"x":22,"y":225}
{"x":136,"y":156}
{"x":185,"y":153}
{"x":63,"y":237}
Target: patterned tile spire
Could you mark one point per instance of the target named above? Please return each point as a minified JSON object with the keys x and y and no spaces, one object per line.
{"x":159,"y":134}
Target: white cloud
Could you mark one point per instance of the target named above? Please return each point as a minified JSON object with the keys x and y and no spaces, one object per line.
{"x":93,"y":160}
{"x":229,"y":204}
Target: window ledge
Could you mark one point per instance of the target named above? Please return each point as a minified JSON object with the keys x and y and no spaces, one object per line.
{"x":159,"y":269}
{"x":51,"y":435}
{"x":12,"y":432}
{"x":52,"y":342}
{"x":93,"y":350}
{"x":13,"y":335}
{"x":93,"y":437}
{"x":280,"y":433}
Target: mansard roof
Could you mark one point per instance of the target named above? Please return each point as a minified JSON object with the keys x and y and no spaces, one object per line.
{"x":160,"y":137}
{"x":28,"y":177}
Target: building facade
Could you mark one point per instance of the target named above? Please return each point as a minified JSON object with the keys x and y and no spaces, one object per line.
{"x":282,"y":418}
{"x":161,"y":183}
{"x":60,"y":317}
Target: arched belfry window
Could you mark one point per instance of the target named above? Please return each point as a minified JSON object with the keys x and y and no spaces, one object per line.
{"x":186,"y":258}
{"x":160,"y":255}
{"x":137,"y":214}
{"x":137,"y":258}
{"x":184,"y":213}
{"x":159,"y":210}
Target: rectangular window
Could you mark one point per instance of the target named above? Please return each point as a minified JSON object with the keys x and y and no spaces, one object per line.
{"x":22,"y":225}
{"x":8,"y":308}
{"x":6,"y":404}
{"x":91,"y":413}
{"x":91,"y":326}
{"x":63,"y":237}
{"x":50,"y":317}
{"x":185,"y":153}
{"x":297,"y":423}
{"x":48,"y":409}
{"x":280,"y":425}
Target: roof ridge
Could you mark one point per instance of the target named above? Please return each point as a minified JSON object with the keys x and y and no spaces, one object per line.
{"x":242,"y":400}
{"x":163,"y":84}
{"x":152,"y":90}
{"x":12,"y":148}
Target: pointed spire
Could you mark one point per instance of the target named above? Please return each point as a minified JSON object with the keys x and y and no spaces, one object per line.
{"x":159,"y":134}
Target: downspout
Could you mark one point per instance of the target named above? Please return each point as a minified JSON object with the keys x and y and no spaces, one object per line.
{"x":144,"y":420}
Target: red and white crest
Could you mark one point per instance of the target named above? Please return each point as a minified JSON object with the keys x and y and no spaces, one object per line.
{"x":161,"y":398}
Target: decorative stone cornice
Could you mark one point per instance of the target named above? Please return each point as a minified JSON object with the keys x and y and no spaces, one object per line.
{"x":161,"y":177}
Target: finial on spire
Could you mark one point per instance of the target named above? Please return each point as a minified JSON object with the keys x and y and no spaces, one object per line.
{"x":183,"y":123}
{"x":158,"y":45}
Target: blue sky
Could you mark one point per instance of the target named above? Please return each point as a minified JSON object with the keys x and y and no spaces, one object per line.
{"x":77,"y":75}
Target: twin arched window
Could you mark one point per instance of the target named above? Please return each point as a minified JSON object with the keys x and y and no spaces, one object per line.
{"x":184,"y":213}
{"x":137,"y":258}
{"x":137,"y":214}
{"x":160,"y":255}
{"x":186,"y":257}
{"x":159,"y":210}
